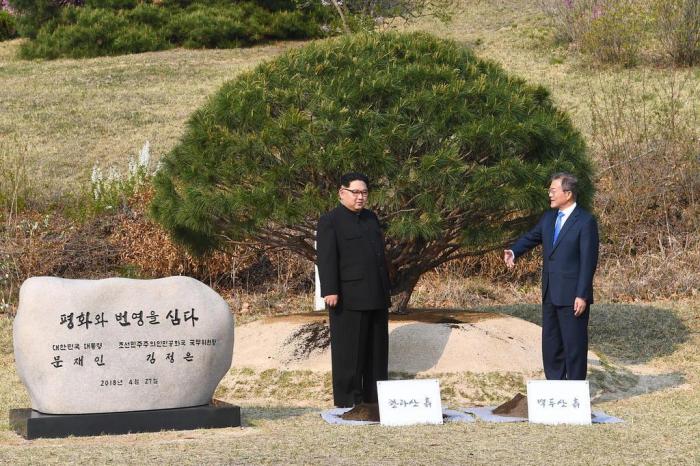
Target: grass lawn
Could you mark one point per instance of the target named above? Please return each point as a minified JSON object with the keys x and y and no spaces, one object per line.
{"x":661,"y":427}
{"x":64,"y":116}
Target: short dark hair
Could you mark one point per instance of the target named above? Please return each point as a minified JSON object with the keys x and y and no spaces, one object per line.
{"x":348,"y":178}
{"x":569,"y":182}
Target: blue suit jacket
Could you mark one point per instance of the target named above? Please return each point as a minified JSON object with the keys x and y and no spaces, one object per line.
{"x":567,"y":266}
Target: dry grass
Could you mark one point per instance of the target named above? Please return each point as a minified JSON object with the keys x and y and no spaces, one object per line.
{"x":294,"y":436}
{"x":127,"y":243}
{"x":73,"y":113}
{"x":281,"y":422}
{"x":517,"y":35}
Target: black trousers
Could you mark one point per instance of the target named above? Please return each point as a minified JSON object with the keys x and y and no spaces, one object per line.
{"x":359,"y":354}
{"x":564,"y":341}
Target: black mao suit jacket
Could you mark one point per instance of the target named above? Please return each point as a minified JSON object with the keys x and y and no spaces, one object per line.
{"x":569,"y":265}
{"x":351,"y":261}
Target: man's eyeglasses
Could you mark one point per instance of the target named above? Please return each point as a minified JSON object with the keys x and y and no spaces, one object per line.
{"x":357,"y":192}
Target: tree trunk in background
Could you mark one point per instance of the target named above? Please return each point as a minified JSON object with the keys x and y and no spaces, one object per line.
{"x":402,"y":291}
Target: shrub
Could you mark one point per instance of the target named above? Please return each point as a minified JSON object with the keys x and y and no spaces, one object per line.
{"x":126,"y":27}
{"x":93,"y":32}
{"x":649,"y":183}
{"x":116,"y":4}
{"x":112,"y":190}
{"x":293,"y":25}
{"x":571,"y":18}
{"x":32,"y":14}
{"x":8,"y":26}
{"x":212,"y":27}
{"x":612,"y":31}
{"x":203,"y":26}
{"x":678,"y":28}
{"x":459,"y":153}
{"x":148,"y":15}
{"x":615,"y":33}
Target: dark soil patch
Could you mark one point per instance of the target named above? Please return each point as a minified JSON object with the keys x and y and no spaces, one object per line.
{"x":437,"y":316}
{"x":516,"y":407}
{"x":363,"y":412}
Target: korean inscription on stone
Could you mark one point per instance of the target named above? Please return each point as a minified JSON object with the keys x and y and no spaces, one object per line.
{"x":88,"y":346}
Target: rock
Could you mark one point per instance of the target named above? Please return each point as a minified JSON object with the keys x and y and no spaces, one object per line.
{"x":114,"y":345}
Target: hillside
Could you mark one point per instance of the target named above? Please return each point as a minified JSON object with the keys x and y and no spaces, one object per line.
{"x":68,"y":114}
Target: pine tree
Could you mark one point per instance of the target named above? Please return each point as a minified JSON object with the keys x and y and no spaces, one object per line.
{"x":458,"y":152}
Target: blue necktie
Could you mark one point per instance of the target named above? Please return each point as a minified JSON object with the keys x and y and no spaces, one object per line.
{"x":557,"y":226}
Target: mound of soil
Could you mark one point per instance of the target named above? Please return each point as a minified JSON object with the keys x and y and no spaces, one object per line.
{"x":426,"y":342}
{"x":363,"y":412}
{"x":516,"y":407}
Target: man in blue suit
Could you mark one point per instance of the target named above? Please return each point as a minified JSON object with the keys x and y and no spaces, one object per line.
{"x":569,"y":238}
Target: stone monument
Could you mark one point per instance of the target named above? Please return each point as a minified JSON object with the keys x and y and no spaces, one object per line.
{"x":121,"y":355}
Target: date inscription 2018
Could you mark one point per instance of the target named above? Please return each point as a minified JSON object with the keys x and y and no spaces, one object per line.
{"x":127,"y":382}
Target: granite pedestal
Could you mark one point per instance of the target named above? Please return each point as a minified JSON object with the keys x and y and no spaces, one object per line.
{"x":32,"y":424}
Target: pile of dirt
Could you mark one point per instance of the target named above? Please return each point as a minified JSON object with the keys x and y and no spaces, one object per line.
{"x":363,"y":412}
{"x":424,"y":342}
{"x":516,"y":407}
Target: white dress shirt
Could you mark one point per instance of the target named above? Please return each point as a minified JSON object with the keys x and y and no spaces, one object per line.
{"x":567,"y":213}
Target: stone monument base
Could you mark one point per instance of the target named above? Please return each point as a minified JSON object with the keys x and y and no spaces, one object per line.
{"x":32,"y":424}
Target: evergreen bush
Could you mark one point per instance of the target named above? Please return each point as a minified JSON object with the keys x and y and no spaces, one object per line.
{"x":8,"y":26}
{"x":114,"y":27}
{"x":88,"y":32}
{"x":458,"y":152}
{"x":204,"y":26}
{"x":116,"y":4}
{"x":31,"y":14}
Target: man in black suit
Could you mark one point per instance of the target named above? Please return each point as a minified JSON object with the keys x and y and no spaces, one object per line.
{"x":569,"y":238}
{"x":355,"y":286}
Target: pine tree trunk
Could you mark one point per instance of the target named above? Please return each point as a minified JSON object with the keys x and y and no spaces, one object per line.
{"x":401,"y":293}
